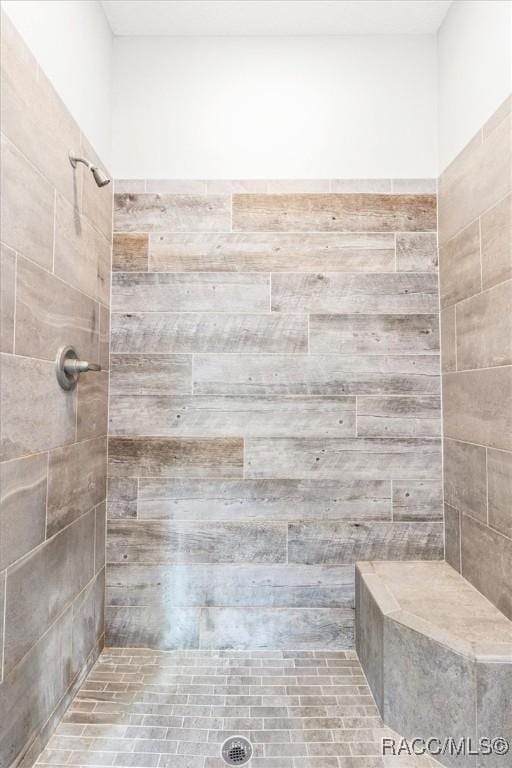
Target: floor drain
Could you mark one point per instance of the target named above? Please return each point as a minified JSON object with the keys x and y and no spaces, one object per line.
{"x":236,"y":751}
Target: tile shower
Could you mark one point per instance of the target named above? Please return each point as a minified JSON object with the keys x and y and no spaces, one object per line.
{"x":292,"y":381}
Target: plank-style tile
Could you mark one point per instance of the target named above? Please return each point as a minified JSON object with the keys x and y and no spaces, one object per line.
{"x":499,"y":469}
{"x":364,"y":458}
{"x":104,"y":341}
{"x":334,"y":212}
{"x":212,"y":500}
{"x":459,"y":266}
{"x":416,"y":252}
{"x":45,"y":323}
{"x":171,"y":213}
{"x":163,"y":541}
{"x":122,"y":497}
{"x":190,"y":292}
{"x":272,"y":252}
{"x":477,"y":406}
{"x":374,"y":334}
{"x":92,"y":405}
{"x":51,"y":419}
{"x":88,"y":626}
{"x":417,"y":500}
{"x":207,"y":416}
{"x":337,"y":543}
{"x":150,"y":375}
{"x":43,"y":583}
{"x":175,"y":457}
{"x":267,"y":585}
{"x":448,"y":339}
{"x":465,"y":478}
{"x":399,"y":416}
{"x":151,"y":627}
{"x":331,"y":292}
{"x":130,"y":252}
{"x":160,"y":332}
{"x":452,"y":536}
{"x":316,"y":374}
{"x":7,"y":297}
{"x":496,"y":228}
{"x":484,"y":329}
{"x":76,"y":481}
{"x":100,"y":537}
{"x":22,"y":506}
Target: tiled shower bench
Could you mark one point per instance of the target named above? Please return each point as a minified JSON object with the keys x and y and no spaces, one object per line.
{"x":437,"y":655}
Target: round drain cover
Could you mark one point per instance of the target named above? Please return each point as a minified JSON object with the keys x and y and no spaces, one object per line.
{"x":236,"y":750}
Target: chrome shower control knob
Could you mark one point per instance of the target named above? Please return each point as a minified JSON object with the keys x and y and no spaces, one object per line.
{"x":69,"y":367}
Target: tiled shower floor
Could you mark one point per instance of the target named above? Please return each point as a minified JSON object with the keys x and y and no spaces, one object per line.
{"x":147,"y":709}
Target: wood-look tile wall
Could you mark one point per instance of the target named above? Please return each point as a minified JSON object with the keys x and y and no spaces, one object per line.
{"x":55,"y":286}
{"x":475,"y":231}
{"x":274,"y":409}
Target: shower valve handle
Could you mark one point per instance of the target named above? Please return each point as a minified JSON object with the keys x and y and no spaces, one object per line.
{"x":69,"y":367}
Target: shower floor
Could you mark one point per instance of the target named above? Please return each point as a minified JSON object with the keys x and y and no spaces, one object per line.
{"x":147,"y":709}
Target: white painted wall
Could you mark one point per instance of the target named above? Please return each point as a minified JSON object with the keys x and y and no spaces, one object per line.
{"x":72,"y":42}
{"x":475,"y":70}
{"x":289,"y":107}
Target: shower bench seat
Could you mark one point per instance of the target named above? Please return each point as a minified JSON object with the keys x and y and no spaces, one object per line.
{"x":437,"y":655}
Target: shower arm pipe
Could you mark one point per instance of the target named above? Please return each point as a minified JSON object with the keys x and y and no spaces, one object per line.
{"x":100,"y":177}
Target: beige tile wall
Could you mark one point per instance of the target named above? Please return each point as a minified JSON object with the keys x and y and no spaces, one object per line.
{"x":275,"y":405}
{"x":55,"y":286}
{"x":475,"y":234}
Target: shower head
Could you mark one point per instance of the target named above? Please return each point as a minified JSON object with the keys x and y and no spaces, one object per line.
{"x":100,"y":177}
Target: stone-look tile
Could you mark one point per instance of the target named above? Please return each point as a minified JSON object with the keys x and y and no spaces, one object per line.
{"x":452,"y":536}
{"x":272,"y":252}
{"x":158,"y":541}
{"x":76,"y":482}
{"x":499,"y":479}
{"x":329,"y":543}
{"x":484,"y":329}
{"x":92,"y":405}
{"x":414,"y":186}
{"x":22,"y":506}
{"x":51,"y":314}
{"x":465,"y":478}
{"x":190,"y":292}
{"x":212,"y":500}
{"x":150,"y":375}
{"x":51,"y":419}
{"x":175,"y":457}
{"x":334,"y":212}
{"x":122,"y":497}
{"x":97,"y":203}
{"x":417,"y":669}
{"x":281,"y":628}
{"x":377,"y":334}
{"x":476,"y":180}
{"x":370,"y":639}
{"x":290,"y":186}
{"x":152,"y":626}
{"x":133,"y":186}
{"x":268,"y":585}
{"x":27,"y":207}
{"x":459,"y":266}
{"x":82,"y":253}
{"x":477,"y":407}
{"x":399,"y":416}
{"x":416,"y":252}
{"x":104,"y":340}
{"x":180,"y":187}
{"x":88,"y":624}
{"x":496,"y":228}
{"x":2,"y":606}
{"x":448,"y":340}
{"x":371,"y":186}
{"x":228,"y":187}
{"x":24,"y":706}
{"x":172,"y":213}
{"x":100,"y":537}
{"x":34,"y":117}
{"x":420,"y":500}
{"x":327,"y":292}
{"x":192,"y":332}
{"x":361,"y":458}
{"x":203,"y":416}
{"x":316,"y":375}
{"x":487,"y":562}
{"x":7,"y":294}
{"x":494,"y":715}
{"x":130,"y":252}
{"x":41,"y":585}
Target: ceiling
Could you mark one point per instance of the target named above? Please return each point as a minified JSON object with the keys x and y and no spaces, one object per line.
{"x":275,"y":17}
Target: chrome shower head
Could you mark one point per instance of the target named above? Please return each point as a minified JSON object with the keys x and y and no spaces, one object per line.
{"x":100,"y":178}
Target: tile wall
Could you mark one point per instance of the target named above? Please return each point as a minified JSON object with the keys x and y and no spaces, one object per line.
{"x":275,"y":406}
{"x":55,"y":288}
{"x":475,"y":233}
